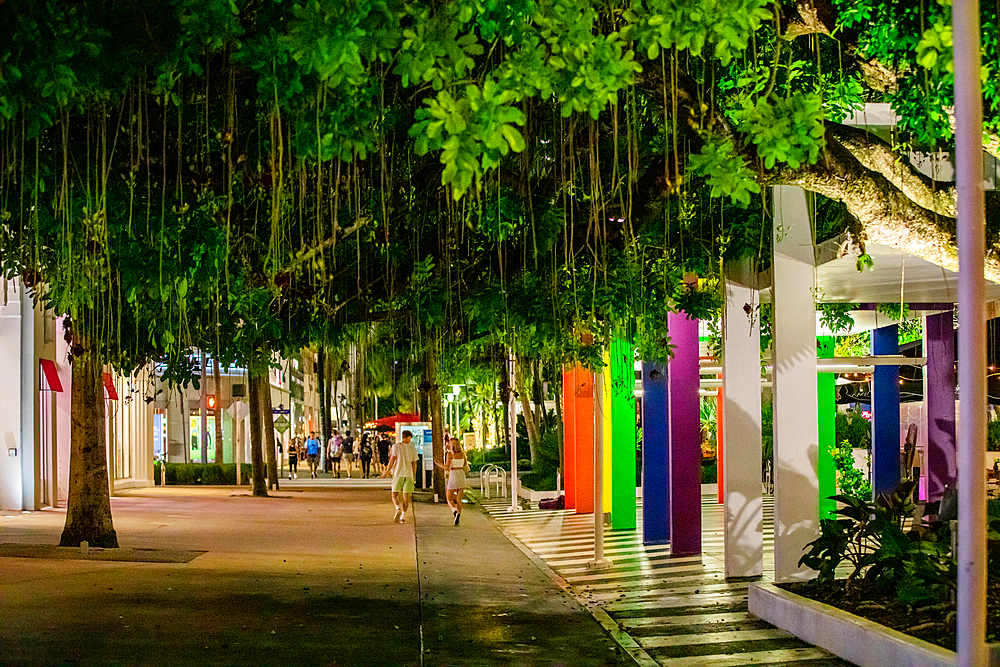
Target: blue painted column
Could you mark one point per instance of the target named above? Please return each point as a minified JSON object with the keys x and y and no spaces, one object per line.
{"x":939,"y":396}
{"x":885,"y":413}
{"x":655,"y":454}
{"x":685,"y":437}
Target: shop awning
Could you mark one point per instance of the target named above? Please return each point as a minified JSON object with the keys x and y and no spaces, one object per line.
{"x":51,"y":375}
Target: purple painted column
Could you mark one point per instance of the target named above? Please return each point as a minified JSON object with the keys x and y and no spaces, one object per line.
{"x":685,"y":437}
{"x":939,"y":341}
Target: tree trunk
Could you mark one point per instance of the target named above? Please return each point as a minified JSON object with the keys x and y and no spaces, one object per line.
{"x":505,"y":390}
{"x":437,"y":418}
{"x":324,"y":397}
{"x":324,"y":406}
{"x":218,"y":410}
{"x":520,"y":386}
{"x":267,"y":425}
{"x":88,"y":506}
{"x":256,"y":454}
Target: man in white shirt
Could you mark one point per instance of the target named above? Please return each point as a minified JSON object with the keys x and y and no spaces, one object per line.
{"x":403,"y":468}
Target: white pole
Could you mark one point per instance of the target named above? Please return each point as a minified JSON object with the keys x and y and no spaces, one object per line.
{"x":599,"y":559}
{"x":514,"y":506}
{"x":971,"y":336}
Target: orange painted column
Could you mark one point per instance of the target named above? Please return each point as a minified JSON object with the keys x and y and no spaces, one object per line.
{"x":569,"y":437}
{"x":582,"y":396}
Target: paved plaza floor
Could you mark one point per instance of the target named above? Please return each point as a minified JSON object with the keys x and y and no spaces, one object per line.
{"x":318,"y":575}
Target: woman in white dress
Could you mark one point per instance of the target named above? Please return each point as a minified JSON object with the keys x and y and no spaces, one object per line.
{"x":455,"y":464}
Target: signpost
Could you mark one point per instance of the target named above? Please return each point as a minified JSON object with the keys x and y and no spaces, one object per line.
{"x":281,"y":424}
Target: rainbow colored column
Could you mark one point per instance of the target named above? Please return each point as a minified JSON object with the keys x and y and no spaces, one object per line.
{"x":685,"y":437}
{"x":578,"y":436}
{"x":942,"y":453}
{"x":569,"y":438}
{"x":655,"y":454}
{"x":826,"y":401}
{"x":885,"y":413}
{"x":623,"y":501}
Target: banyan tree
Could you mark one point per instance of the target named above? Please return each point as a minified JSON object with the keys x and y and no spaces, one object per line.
{"x":463,"y":177}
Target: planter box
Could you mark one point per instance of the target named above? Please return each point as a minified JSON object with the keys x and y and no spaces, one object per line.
{"x":535,"y":496}
{"x":850,"y":637}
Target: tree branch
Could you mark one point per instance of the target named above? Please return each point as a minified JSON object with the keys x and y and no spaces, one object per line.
{"x":878,"y":156}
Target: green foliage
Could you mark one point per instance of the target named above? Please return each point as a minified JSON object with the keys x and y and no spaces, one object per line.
{"x":852,"y":428}
{"x":206,"y":474}
{"x":837,"y":316}
{"x":561,"y":54}
{"x":473,"y":133}
{"x":788,"y":130}
{"x":724,"y":25}
{"x":724,"y":171}
{"x":542,"y":475}
{"x":850,"y":480}
{"x":710,"y":474}
{"x":868,"y":535}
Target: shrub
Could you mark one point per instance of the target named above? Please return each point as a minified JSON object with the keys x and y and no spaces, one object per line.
{"x":210,"y":474}
{"x":710,"y":474}
{"x":850,"y":480}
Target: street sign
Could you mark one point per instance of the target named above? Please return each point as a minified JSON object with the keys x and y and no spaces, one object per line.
{"x":281,"y":424}
{"x":280,"y":410}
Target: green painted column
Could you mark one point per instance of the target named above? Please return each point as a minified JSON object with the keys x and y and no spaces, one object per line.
{"x":827,"y":405}
{"x":623,"y":503}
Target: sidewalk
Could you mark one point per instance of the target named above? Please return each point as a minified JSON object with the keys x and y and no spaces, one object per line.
{"x":314,"y":576}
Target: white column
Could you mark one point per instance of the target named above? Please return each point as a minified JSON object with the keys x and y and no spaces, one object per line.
{"x":796,"y":482}
{"x":744,"y":517}
{"x":971,"y":337}
{"x":11,"y":487}
{"x":30,"y":442}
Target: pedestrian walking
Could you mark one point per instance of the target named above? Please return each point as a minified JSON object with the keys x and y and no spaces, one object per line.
{"x":293,"y":459}
{"x":383,"y":446}
{"x":365,"y":451}
{"x":347,"y":452}
{"x":403,"y":468}
{"x":333,"y":451}
{"x":456,"y":465}
{"x":312,"y":453}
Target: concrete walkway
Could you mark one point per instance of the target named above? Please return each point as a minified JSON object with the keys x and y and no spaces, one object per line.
{"x":314,"y":576}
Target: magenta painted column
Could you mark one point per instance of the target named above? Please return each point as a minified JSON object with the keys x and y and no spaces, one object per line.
{"x":939,"y":342}
{"x":685,"y":437}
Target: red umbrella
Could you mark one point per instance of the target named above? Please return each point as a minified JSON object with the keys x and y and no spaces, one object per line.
{"x":389,"y":423}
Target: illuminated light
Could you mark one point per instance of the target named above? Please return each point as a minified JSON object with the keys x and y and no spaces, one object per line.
{"x":211,"y":401}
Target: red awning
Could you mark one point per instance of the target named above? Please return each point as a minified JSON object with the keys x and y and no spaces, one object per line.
{"x":51,"y":374}
{"x":109,"y":385}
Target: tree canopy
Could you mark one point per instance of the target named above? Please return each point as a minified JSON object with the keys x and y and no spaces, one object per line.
{"x":249,"y":176}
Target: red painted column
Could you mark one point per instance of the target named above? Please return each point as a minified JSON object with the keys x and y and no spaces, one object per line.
{"x":583,"y":436}
{"x":569,"y":437}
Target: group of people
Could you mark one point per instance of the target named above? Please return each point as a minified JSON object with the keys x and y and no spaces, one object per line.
{"x":402,"y":466}
{"x":398,"y":460}
{"x":343,"y":451}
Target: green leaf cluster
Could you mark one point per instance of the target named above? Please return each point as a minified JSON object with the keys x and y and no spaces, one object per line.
{"x":724,"y":171}
{"x":726,"y":26}
{"x":788,"y":130}
{"x":473,"y":132}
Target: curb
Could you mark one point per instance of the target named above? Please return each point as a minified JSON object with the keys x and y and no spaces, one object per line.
{"x":622,"y":638}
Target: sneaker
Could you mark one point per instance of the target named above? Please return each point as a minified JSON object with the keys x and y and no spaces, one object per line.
{"x":457,"y":517}
{"x":398,"y":516}
{"x":402,"y":519}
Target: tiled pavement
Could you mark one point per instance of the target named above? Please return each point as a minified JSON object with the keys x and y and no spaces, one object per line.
{"x":671,"y":611}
